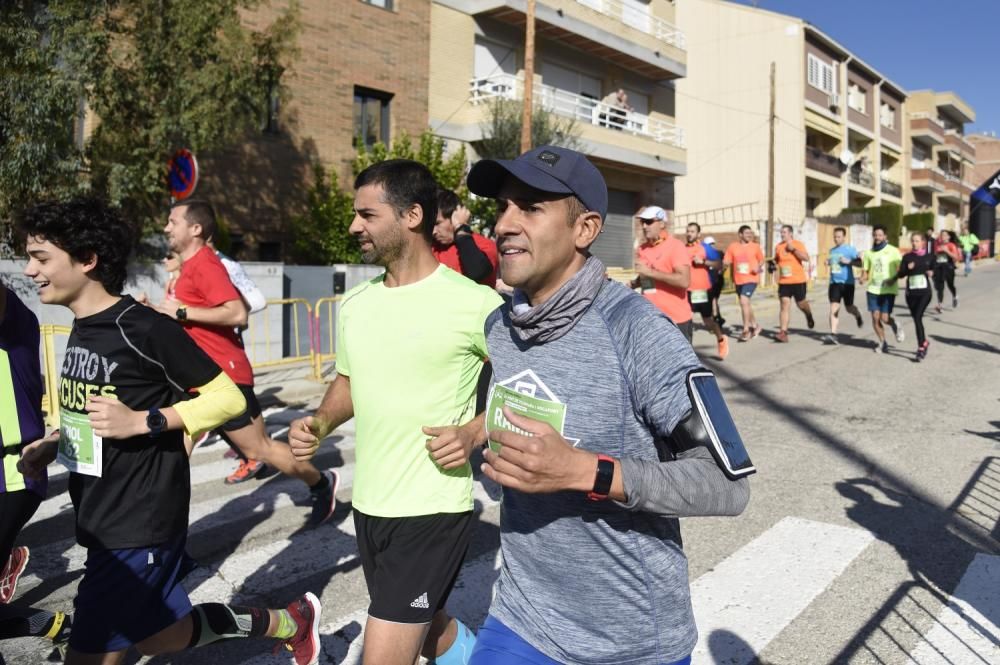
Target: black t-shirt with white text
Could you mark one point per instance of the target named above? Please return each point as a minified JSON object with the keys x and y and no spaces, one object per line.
{"x":145,"y":360}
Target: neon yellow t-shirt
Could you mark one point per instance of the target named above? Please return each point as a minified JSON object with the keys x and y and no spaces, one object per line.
{"x":880,"y":266}
{"x":413,"y":354}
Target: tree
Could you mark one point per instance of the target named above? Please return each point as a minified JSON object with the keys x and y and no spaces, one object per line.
{"x":321,"y":235}
{"x":502,"y":130}
{"x":156,"y":75}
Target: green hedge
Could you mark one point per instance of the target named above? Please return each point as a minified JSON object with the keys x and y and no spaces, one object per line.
{"x":889,"y":215}
{"x":919,"y":221}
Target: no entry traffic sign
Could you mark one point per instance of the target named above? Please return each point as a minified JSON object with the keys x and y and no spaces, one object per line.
{"x":182,"y":174}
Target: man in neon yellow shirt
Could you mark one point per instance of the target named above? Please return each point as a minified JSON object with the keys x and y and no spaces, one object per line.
{"x":969,"y":242}
{"x":879,"y":266}
{"x":411,"y":346}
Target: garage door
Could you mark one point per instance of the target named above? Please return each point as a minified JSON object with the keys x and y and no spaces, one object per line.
{"x":614,"y":247}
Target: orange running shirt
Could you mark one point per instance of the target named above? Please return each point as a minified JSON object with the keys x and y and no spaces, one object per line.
{"x":664,"y":256}
{"x":790,"y":269}
{"x":700,"y":280}
{"x":744,"y":258}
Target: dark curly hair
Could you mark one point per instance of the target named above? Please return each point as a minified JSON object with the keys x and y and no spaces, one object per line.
{"x":85,"y":227}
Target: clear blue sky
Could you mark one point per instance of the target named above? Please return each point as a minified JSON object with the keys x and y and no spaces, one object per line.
{"x":936,"y":44}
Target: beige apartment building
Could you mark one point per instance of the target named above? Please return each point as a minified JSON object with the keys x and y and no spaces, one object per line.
{"x":585,"y":50}
{"x":840,"y":136}
{"x":942,"y":160}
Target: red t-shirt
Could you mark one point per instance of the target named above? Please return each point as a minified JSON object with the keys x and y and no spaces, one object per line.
{"x":664,"y":256}
{"x":449,"y":257}
{"x":700,"y":280}
{"x":204,"y":282}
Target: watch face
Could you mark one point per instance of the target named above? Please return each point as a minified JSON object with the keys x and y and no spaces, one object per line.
{"x":156,"y":421}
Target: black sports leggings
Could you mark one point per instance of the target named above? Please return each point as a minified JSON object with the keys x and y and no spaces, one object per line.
{"x":16,"y":508}
{"x":944,"y":276}
{"x":918,"y":301}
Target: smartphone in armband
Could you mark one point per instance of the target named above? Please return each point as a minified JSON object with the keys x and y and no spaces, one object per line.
{"x":724,"y":439}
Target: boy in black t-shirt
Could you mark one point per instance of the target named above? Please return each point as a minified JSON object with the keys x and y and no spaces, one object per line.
{"x":123,"y":406}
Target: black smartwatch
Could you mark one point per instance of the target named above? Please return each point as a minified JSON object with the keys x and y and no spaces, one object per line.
{"x":182,"y":313}
{"x":156,"y":422}
{"x":602,"y":481}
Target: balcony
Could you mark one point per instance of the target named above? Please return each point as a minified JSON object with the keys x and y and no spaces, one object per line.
{"x":583,"y":109}
{"x":607,"y":30}
{"x":891,"y":188}
{"x":959,"y":145}
{"x":953,"y":187}
{"x":643,"y":22}
{"x":862,"y":178}
{"x":926,"y":129}
{"x":817,"y":160}
{"x":927,"y":178}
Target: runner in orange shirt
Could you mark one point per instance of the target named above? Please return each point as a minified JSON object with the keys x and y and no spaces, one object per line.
{"x":699,"y":290}
{"x":746,"y":258}
{"x":791,"y":257}
{"x":662,"y":258}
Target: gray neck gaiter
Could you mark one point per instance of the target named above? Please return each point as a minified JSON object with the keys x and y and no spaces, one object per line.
{"x":557,"y":315}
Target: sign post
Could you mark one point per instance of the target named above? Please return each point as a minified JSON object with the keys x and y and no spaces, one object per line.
{"x":182,"y":174}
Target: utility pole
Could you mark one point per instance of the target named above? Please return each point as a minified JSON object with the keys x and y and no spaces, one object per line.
{"x":769,"y":244}
{"x":529,"y":75}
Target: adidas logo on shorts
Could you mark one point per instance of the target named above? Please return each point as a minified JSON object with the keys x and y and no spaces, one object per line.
{"x":421,"y":602}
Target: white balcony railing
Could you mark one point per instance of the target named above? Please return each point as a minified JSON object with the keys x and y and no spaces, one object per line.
{"x":580,"y":107}
{"x":639,"y":19}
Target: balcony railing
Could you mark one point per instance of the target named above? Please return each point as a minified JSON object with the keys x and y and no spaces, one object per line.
{"x":580,"y":107}
{"x":891,"y":188}
{"x":641,"y":21}
{"x":863,"y":178}
{"x":820,"y":161}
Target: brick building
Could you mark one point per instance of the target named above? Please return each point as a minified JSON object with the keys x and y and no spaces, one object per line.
{"x":361,"y":70}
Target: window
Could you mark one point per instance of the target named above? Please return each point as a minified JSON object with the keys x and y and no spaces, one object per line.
{"x":384,"y":4}
{"x":371,"y":117}
{"x":856,"y":97}
{"x":272,"y":102}
{"x":821,"y":75}
{"x":887,"y":115}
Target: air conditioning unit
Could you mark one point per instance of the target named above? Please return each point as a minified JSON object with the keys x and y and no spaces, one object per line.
{"x":833,"y":100}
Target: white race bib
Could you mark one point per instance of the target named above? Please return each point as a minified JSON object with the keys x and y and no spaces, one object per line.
{"x":917,"y":281}
{"x":743,"y":268}
{"x":80,"y":450}
{"x":699,"y":297}
{"x":942,"y":258}
{"x":786,"y":271}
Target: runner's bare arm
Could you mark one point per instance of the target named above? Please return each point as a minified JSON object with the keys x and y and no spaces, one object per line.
{"x":231,"y":313}
{"x":37,"y":455}
{"x":680,"y":277}
{"x":336,"y":409}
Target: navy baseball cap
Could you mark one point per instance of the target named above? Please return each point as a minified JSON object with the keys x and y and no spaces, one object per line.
{"x":547,"y":168}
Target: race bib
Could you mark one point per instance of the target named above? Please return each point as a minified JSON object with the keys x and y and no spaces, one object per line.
{"x":835,"y":262}
{"x":80,"y":450}
{"x":942,"y":258}
{"x":546,"y":411}
{"x":786,"y":271}
{"x":743,"y":268}
{"x":699,"y":297}
{"x":917,"y":281}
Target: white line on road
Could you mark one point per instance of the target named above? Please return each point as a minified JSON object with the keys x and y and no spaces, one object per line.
{"x":751,"y":596}
{"x":967,"y":631}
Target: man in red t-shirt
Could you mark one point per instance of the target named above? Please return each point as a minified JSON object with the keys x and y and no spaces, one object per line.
{"x":662,"y":259}
{"x":699,"y":290}
{"x":791,"y":257}
{"x":210,"y":308}
{"x":458,"y":247}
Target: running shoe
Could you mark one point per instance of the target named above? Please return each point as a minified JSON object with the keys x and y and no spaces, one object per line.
{"x":810,"y":321}
{"x":920,"y":354}
{"x":900,"y":334}
{"x":245,"y":471}
{"x":954,"y":301}
{"x":11,"y":573}
{"x":758,"y":329}
{"x":925,"y":347}
{"x":878,"y":347}
{"x":304,"y":645}
{"x":782,"y":337}
{"x":324,"y":500}
{"x":860,"y":320}
{"x":723,"y":348}
{"x":937,"y":308}
{"x":745,"y":336}
{"x":885,"y":347}
{"x":831,"y":339}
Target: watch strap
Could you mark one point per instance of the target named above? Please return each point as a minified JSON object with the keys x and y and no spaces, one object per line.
{"x":602,"y":479}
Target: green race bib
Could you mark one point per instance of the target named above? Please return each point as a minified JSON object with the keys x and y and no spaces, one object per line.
{"x":917,"y":281}
{"x":786,"y":271}
{"x":743,"y":268}
{"x":699,"y":297}
{"x":547,"y":411}
{"x":80,"y":450}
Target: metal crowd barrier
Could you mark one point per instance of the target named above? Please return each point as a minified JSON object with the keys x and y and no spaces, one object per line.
{"x":328,"y":352}
{"x":260,"y":341}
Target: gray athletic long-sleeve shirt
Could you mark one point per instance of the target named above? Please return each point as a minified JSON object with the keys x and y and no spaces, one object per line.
{"x":606,"y":583}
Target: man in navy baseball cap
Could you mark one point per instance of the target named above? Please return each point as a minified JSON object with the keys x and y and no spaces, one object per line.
{"x":549,"y":169}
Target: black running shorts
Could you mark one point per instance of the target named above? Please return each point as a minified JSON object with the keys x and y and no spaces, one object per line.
{"x":411,"y":563}
{"x":838,"y":292}
{"x":797,"y":291}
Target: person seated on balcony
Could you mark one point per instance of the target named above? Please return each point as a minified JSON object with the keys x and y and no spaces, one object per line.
{"x":458,"y":247}
{"x":616,"y":109}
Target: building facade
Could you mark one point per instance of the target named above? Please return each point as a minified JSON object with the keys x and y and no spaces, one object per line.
{"x":585,"y":51}
{"x":942,"y":160}
{"x":839,"y":131}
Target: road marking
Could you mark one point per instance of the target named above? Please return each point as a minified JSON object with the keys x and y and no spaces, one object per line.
{"x":749,"y":598}
{"x":967,"y":631}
